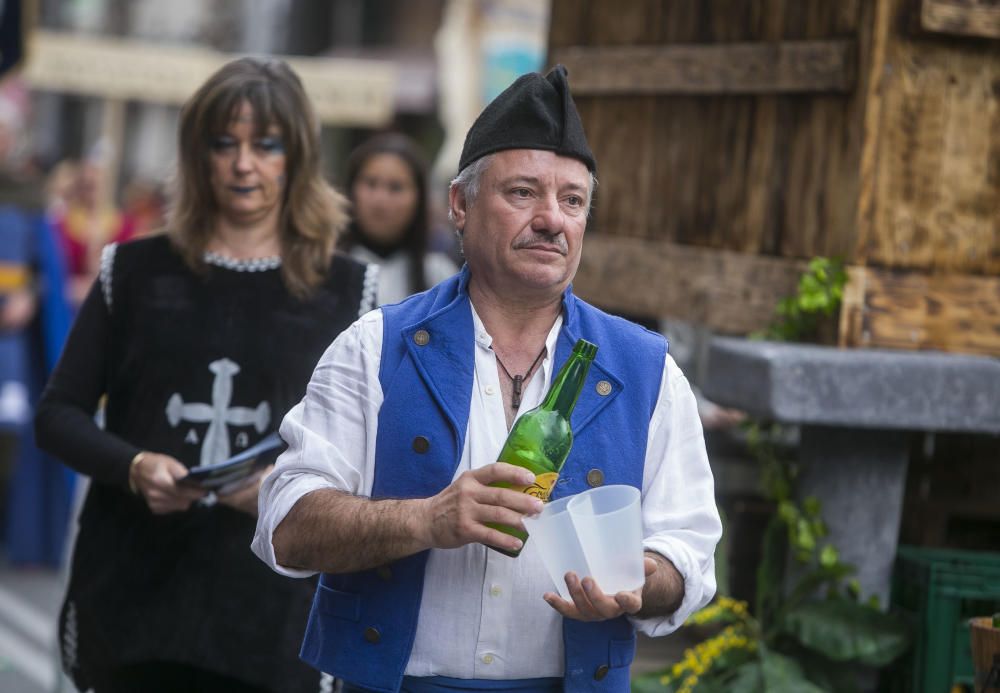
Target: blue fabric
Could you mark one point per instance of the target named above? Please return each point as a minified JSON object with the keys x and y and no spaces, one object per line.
{"x":41,"y":490}
{"x":428,"y":393}
{"x":55,"y":312}
{"x":16,"y":251}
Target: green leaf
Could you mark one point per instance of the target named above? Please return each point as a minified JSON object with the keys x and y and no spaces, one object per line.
{"x":829,"y":556}
{"x":650,"y":683}
{"x":747,"y":678}
{"x":809,"y":583}
{"x":812,"y":580}
{"x":804,"y":539}
{"x":788,"y":512}
{"x":828,"y":675}
{"x":771,"y":571}
{"x":846,"y":631}
{"x":784,"y":675}
{"x":812,"y":302}
{"x":811,"y":506}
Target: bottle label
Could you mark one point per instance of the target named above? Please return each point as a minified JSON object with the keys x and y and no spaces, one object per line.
{"x":542,"y":486}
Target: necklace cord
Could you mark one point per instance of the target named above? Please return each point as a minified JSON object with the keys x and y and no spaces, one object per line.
{"x":518,"y":380}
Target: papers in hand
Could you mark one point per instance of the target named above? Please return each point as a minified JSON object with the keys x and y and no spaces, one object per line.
{"x":236,"y":468}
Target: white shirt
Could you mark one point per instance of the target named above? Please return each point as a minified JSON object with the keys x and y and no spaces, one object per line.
{"x":394,"y":271}
{"x":482,"y":613}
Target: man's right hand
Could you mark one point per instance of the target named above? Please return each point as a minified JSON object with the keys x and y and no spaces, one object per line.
{"x":458,"y":515}
{"x":155,"y":478}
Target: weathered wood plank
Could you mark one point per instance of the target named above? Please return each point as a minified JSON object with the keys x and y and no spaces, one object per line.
{"x":612,"y":23}
{"x":915,"y":310}
{"x":725,"y":68}
{"x":732,"y":293}
{"x":620,"y":131}
{"x":964,"y":17}
{"x":929,"y":183}
{"x":567,"y":24}
{"x":774,"y":174}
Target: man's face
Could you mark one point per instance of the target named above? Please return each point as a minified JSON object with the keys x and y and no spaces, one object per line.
{"x":523,"y":234}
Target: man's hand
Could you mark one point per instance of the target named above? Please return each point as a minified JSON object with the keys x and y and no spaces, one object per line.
{"x":458,"y":515}
{"x":155,"y":478}
{"x":334,"y":532}
{"x":591,"y":604}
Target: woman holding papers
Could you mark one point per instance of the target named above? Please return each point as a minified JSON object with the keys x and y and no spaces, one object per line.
{"x":201,"y":339}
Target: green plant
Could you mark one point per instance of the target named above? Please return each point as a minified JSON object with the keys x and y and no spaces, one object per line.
{"x":820,"y":292}
{"x":807,"y":621}
{"x":806,"y":624}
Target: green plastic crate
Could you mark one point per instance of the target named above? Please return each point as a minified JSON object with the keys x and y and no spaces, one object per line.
{"x":940,"y":589}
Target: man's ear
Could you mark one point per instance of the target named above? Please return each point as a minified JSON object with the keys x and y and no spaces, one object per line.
{"x":456,"y":207}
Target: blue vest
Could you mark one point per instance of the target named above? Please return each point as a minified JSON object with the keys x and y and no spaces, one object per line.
{"x":362,"y":625}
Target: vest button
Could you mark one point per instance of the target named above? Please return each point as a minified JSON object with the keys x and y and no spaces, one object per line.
{"x":604,"y":388}
{"x":372,"y":635}
{"x":421,"y":445}
{"x":384,"y":572}
{"x":595,"y":477}
{"x":601,"y":672}
{"x":421,"y":337}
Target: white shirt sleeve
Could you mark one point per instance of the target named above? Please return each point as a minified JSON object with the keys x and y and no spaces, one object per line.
{"x":330,"y":433}
{"x":679,"y":516}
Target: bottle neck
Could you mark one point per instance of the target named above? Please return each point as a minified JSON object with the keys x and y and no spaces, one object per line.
{"x":565,"y":391}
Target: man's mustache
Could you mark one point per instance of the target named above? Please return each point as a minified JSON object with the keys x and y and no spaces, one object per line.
{"x":541,"y":239}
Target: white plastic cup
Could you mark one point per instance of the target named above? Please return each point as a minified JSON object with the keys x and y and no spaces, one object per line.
{"x":608,"y":524}
{"x":553,"y":534}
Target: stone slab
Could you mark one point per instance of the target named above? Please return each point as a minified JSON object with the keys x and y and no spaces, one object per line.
{"x":855,"y":388}
{"x":860,"y":478}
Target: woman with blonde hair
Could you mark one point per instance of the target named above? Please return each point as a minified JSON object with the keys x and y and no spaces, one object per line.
{"x":201,"y":339}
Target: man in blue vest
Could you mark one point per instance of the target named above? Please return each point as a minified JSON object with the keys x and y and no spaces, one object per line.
{"x":385,"y":486}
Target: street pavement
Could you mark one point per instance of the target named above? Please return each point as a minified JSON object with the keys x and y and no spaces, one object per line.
{"x":29,"y":605}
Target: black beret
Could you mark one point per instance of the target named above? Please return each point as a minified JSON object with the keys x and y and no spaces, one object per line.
{"x":534,"y":112}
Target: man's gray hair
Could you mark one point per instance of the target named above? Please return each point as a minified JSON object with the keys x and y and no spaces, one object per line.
{"x":470,"y":178}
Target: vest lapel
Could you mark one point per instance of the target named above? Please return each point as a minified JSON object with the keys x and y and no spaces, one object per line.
{"x":591,"y":401}
{"x":446,"y":361}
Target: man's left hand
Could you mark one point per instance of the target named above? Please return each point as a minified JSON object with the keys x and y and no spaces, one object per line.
{"x":591,"y":604}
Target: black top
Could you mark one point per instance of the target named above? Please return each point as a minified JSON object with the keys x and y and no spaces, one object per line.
{"x":197,"y":367}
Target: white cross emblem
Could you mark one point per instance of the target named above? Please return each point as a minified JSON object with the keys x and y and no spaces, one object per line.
{"x":219,"y":414}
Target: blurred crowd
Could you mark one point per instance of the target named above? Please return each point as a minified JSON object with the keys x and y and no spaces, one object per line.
{"x":54,"y":220}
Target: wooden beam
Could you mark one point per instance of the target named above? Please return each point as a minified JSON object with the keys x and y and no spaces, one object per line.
{"x":913,"y":310}
{"x":732,"y":293}
{"x":343,"y":91}
{"x":719,"y":68}
{"x":965,"y":17}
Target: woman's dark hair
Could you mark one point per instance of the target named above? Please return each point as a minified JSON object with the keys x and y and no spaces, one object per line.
{"x":415,"y":236}
{"x":312,"y":213}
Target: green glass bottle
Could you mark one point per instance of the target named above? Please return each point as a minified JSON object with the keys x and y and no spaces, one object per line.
{"x":541,"y":438}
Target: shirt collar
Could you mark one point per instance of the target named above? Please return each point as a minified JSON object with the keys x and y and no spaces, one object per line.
{"x":485,"y":341}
